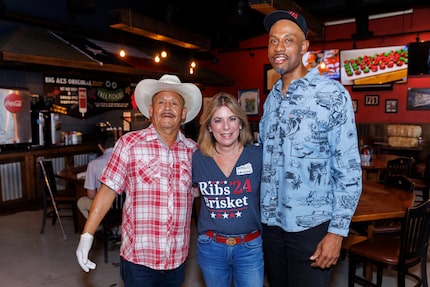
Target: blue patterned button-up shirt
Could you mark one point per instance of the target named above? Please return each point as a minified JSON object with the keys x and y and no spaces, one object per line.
{"x":311,"y":163}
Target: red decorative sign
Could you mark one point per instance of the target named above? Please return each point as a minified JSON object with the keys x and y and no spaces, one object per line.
{"x":13,"y":103}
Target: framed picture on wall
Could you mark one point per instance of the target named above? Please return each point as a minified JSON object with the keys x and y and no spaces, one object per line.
{"x":270,"y":78}
{"x":250,"y":101}
{"x":355,"y":105}
{"x":206,"y":101}
{"x":418,"y":99}
{"x":371,"y":100}
{"x":391,"y":105}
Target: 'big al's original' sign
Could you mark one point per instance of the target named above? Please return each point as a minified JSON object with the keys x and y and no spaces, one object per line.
{"x":83,"y":98}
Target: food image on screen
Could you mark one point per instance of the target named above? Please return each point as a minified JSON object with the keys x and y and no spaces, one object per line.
{"x":327,"y":62}
{"x":374,"y":65}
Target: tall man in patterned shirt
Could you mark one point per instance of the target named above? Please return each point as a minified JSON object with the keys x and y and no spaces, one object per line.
{"x":311,"y":180}
{"x":153,"y":166}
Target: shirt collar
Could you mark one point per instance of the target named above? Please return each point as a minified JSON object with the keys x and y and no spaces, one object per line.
{"x":153,"y":134}
{"x":308,"y":77}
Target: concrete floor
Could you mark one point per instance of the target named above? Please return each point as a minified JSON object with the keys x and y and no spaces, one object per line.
{"x":29,"y":258}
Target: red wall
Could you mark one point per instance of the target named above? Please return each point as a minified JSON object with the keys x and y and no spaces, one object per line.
{"x":246,"y":65}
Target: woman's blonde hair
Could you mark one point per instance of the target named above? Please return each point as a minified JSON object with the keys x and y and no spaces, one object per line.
{"x":206,"y":140}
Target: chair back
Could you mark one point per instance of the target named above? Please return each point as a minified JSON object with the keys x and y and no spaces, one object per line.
{"x":415,"y":234}
{"x":48,"y":177}
{"x":118,"y":202}
{"x":400,"y":166}
{"x":400,"y":182}
{"x":112,"y":218}
{"x":426,"y":174}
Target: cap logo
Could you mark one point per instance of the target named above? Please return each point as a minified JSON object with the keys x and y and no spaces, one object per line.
{"x":295,"y":15}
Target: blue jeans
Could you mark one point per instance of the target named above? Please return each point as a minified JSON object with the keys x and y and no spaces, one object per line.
{"x":287,"y":257}
{"x":220,"y":263}
{"x":135,"y":275}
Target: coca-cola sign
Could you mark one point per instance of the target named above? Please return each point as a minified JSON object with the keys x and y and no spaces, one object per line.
{"x":13,"y":103}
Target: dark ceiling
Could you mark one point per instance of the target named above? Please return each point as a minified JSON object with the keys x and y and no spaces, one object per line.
{"x":224,"y":22}
{"x":227,"y":22}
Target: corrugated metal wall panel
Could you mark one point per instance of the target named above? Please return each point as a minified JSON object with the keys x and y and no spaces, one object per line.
{"x":11,"y":186}
{"x":11,"y":178}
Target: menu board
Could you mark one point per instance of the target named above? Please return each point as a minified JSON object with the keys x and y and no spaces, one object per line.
{"x":83,"y":98}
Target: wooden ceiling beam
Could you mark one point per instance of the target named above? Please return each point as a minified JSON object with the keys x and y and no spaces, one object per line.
{"x":11,"y":58}
{"x":129,"y":21}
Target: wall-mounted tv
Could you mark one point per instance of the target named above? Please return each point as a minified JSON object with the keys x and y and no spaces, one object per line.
{"x":419,"y":58}
{"x":327,"y":62}
{"x":374,"y":66}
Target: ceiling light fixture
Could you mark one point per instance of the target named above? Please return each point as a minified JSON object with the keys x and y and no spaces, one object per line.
{"x":122,"y":53}
{"x":193,"y":65}
{"x":157,"y":58}
{"x":163,"y":54}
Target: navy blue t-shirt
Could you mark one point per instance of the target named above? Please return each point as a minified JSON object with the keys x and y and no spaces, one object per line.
{"x":229,"y":205}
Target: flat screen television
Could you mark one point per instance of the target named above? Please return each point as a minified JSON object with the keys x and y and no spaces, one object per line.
{"x":15,"y":119}
{"x":419,"y":58}
{"x":374,"y":66}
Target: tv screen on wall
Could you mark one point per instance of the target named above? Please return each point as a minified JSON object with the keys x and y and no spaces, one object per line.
{"x":419,"y":58}
{"x":374,"y":66}
{"x":327,"y":62}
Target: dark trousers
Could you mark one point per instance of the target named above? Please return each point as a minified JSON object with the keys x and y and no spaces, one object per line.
{"x":287,"y":257}
{"x":135,"y":275}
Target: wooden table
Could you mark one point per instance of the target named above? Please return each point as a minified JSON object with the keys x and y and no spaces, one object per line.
{"x":378,"y":202}
{"x":381,"y":202}
{"x":372,"y":169}
{"x":69,"y":174}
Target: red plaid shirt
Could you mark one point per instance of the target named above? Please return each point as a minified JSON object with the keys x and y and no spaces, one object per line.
{"x":157,"y":210}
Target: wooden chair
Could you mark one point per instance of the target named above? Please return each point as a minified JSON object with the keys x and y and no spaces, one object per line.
{"x":113,"y":218}
{"x":399,"y":253}
{"x":401,"y":182}
{"x":422,"y":184}
{"x":399,"y":166}
{"x":59,"y":200}
{"x":394,"y":226}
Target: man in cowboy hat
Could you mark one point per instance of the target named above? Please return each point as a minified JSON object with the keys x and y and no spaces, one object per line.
{"x":153,"y":166}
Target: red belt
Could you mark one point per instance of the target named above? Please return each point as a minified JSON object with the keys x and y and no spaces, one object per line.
{"x":233,"y":240}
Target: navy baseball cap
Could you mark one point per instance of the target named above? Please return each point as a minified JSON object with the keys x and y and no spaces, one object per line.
{"x":275,"y":16}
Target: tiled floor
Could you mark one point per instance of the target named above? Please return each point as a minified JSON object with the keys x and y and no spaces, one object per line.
{"x":29,"y":258}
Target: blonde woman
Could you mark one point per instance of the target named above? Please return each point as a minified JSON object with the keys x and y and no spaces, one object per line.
{"x":227,"y":170}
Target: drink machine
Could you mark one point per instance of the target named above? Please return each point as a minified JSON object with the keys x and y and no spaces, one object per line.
{"x":46,"y":128}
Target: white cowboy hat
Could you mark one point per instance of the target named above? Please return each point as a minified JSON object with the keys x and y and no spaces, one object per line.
{"x":147,"y":88}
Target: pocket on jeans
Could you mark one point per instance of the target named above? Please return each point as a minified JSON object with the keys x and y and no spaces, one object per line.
{"x":204,"y":239}
{"x":256,"y":243}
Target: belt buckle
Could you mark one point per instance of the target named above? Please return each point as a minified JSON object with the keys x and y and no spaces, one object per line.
{"x":231,"y":241}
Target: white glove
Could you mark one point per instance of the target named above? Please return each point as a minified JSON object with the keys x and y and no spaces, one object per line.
{"x":82,"y":252}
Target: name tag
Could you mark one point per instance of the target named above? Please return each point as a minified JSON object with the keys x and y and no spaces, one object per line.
{"x":244,"y":169}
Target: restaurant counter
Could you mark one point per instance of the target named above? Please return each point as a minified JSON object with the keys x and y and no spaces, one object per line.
{"x":19,"y":173}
